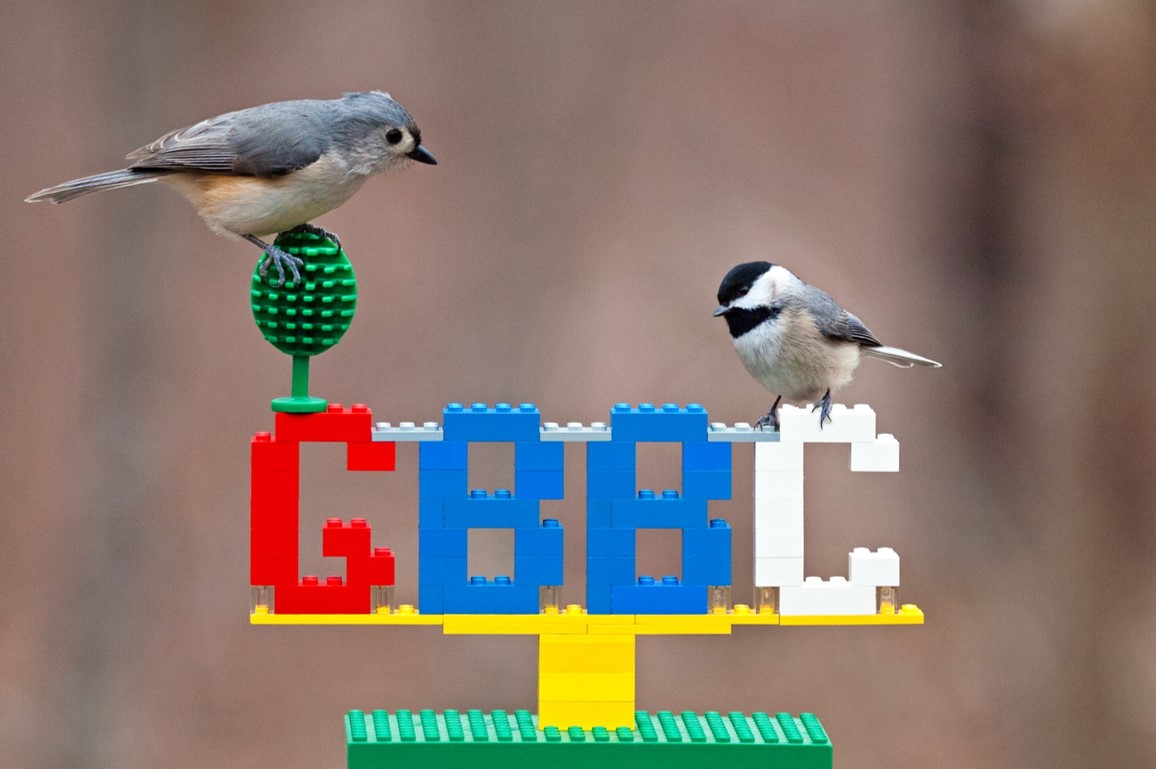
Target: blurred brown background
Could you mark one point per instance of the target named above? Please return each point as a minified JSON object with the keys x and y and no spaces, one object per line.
{"x":975,"y":179}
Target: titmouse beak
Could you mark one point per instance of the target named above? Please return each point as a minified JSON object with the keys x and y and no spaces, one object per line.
{"x":722,"y":310}
{"x":422,"y":155}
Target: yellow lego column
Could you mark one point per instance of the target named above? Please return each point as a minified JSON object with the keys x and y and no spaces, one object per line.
{"x":586,"y":681}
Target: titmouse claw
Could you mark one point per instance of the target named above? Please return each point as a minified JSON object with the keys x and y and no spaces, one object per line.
{"x":313,"y":229}
{"x":823,"y":406}
{"x":279,"y":259}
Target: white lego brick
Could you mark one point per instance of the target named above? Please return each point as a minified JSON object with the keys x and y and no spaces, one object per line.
{"x":742,"y":432}
{"x":778,"y":484}
{"x":779,"y":542}
{"x":776,"y":572}
{"x":406,"y":431}
{"x":818,"y":597}
{"x":879,"y":456}
{"x":801,"y":425}
{"x":778,"y":513}
{"x":778,"y":456}
{"x":874,"y":569}
{"x":575,"y":432}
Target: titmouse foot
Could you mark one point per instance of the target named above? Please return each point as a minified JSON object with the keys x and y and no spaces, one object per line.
{"x":771,"y":418}
{"x":824,"y":408}
{"x":279,"y":259}
{"x":313,"y":229}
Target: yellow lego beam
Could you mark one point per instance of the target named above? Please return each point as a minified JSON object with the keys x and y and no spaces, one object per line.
{"x":908,"y":614}
{"x":586,"y":680}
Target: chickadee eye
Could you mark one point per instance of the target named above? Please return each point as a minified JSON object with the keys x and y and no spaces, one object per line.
{"x":743,"y":291}
{"x":393,"y":136}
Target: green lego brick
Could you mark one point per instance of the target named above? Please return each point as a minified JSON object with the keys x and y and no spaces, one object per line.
{"x":664,"y":740}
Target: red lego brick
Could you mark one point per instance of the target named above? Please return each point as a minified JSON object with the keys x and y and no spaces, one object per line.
{"x":349,"y":540}
{"x":333,"y":597}
{"x":353,"y":425}
{"x":381,"y":567}
{"x":273,"y":541}
{"x":380,"y":456}
{"x":276,"y":455}
{"x":276,"y":570}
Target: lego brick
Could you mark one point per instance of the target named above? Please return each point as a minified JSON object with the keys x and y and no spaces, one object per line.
{"x":658,"y":598}
{"x":663,"y":423}
{"x":382,"y":567}
{"x":779,"y":542}
{"x":575,"y":432}
{"x":431,"y":512}
{"x":609,"y":484}
{"x":665,"y":512}
{"x":613,"y":543}
{"x":539,"y":484}
{"x":779,"y":456}
{"x":587,"y":687}
{"x":818,"y":596}
{"x":544,"y":541}
{"x":908,"y":614}
{"x":702,"y":484}
{"x":433,"y":570}
{"x":501,"y":423}
{"x":741,"y":432}
{"x":613,"y":456}
{"x":878,"y":456}
{"x":446,"y":455}
{"x":713,"y":541}
{"x":407,"y":432}
{"x":610,"y":571}
{"x":801,"y":425}
{"x":540,"y":571}
{"x":563,"y":623}
{"x":430,"y":598}
{"x":778,"y":484}
{"x":311,"y":596}
{"x":707,"y":571}
{"x":483,"y":511}
{"x":435,"y":541}
{"x":706,"y":457}
{"x":598,"y":599}
{"x":335,"y":424}
{"x":445,"y":484}
{"x":491,"y":598}
{"x":339,"y":539}
{"x":876,"y":569}
{"x":586,"y":654}
{"x":274,"y":455}
{"x":584,"y":715}
{"x":778,"y":513}
{"x":379,"y":456}
{"x":274,"y":541}
{"x":776,"y":572}
{"x":273,"y":569}
{"x":535,"y":455}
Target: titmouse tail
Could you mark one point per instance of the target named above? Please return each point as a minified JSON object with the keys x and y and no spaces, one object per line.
{"x":113,"y":180}
{"x":897,"y":357}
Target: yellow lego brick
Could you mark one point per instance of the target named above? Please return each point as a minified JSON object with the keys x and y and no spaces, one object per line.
{"x":587,"y":715}
{"x":908,"y":614}
{"x":683,"y":624}
{"x":345,"y":619}
{"x":610,"y":620}
{"x":586,"y":654}
{"x":750,"y":618}
{"x":514,"y":624}
{"x":594,"y":687}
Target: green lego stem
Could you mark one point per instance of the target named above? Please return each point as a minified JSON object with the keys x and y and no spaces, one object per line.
{"x":300,"y":376}
{"x":300,"y":402}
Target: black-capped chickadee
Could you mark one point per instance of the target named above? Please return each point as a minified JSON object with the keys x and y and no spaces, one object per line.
{"x":272,"y":168}
{"x":794,"y":339}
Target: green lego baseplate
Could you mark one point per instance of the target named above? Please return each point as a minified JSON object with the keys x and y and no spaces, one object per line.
{"x":665,"y":740}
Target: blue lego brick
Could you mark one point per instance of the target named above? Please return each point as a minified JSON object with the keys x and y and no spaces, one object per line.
{"x":610,"y":571}
{"x":542,"y":542}
{"x":443,"y":543}
{"x":709,"y":457}
{"x":711,"y":541}
{"x":442,"y":484}
{"x":609,"y":484}
{"x":599,"y":599}
{"x":499,"y":511}
{"x":431,"y":512}
{"x":667,"y":512}
{"x":538,"y":484}
{"x":540,"y":571}
{"x":658,"y":599}
{"x":706,"y":571}
{"x":503,"y":422}
{"x":433,"y":570}
{"x":536,"y":455}
{"x":492,"y":598}
{"x":431,"y":599}
{"x":599,"y":513}
{"x":610,"y":543}
{"x":611,"y":455}
{"x":707,"y":484}
{"x":443,"y":455}
{"x":662,"y":423}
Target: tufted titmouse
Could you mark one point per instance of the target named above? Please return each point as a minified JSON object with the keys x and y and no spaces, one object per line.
{"x":794,"y":339}
{"x":272,"y":168}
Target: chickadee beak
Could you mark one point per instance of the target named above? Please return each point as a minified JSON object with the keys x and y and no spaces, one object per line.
{"x":422,"y":155}
{"x":722,"y":310}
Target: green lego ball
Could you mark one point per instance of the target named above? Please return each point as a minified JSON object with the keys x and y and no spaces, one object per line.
{"x":306,"y":319}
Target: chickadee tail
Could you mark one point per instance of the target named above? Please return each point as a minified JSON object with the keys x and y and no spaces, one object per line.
{"x":113,"y":180}
{"x":897,"y":357}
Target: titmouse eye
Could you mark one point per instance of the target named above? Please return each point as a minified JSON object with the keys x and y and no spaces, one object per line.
{"x":393,"y":136}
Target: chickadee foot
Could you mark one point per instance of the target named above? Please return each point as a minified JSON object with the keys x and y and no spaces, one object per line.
{"x":771,"y":418}
{"x":824,"y":408}
{"x":313,"y":229}
{"x":280,"y":260}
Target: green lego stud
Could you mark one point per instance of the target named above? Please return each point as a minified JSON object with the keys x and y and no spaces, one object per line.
{"x":306,"y":319}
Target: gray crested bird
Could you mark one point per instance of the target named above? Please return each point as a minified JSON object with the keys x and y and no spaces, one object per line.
{"x":795,"y":340}
{"x":270,"y":169}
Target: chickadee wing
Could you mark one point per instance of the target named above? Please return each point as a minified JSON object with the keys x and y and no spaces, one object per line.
{"x":845,"y":327}
{"x":265,"y":141}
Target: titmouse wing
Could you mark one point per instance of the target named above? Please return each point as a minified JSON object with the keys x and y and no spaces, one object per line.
{"x":270,"y":140}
